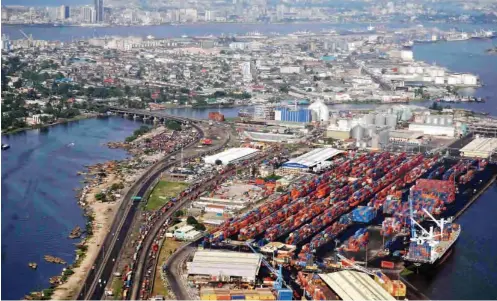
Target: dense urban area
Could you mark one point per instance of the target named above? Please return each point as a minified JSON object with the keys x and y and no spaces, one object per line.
{"x":291,"y":198}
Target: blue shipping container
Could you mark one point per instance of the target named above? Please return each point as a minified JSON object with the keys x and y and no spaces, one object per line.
{"x":285,"y":294}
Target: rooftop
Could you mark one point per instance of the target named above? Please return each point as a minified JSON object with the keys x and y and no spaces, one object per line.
{"x":313,"y":157}
{"x":214,"y":262}
{"x":352,"y":285}
{"x":480,"y":147}
{"x":231,"y":154}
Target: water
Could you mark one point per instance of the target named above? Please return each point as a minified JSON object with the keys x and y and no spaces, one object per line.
{"x":67,"y":33}
{"x":39,"y":208}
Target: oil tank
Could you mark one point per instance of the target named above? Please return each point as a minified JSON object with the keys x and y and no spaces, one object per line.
{"x":371,"y":131}
{"x":434,"y":120}
{"x":384,"y":136}
{"x":369,"y":118}
{"x":441,"y":120}
{"x":391,"y":121}
{"x":429,"y":119}
{"x":379,"y":120}
{"x":357,"y":132}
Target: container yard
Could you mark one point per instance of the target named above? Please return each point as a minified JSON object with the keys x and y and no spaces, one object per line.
{"x":362,"y":209}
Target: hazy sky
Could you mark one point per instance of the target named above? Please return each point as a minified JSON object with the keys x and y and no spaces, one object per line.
{"x":46,"y":2}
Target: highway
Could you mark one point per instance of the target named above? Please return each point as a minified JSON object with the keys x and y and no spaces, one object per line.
{"x":94,"y":284}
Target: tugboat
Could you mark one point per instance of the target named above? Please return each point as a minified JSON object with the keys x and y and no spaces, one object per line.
{"x":5,"y":146}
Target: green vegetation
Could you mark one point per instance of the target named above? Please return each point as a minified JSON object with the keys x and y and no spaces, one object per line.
{"x":101,"y":197}
{"x":137,"y":133}
{"x":117,"y":288}
{"x":272,"y":177}
{"x":191,"y":220}
{"x":280,"y":189}
{"x":173,"y":125}
{"x":162,"y":193}
{"x":406,"y":272}
{"x":178,"y":213}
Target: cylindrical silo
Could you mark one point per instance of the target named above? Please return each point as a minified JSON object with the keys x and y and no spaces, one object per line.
{"x":434,"y":120}
{"x":384,"y":136}
{"x":357,"y":132}
{"x":429,"y":119}
{"x":441,"y":120}
{"x":371,"y":131}
{"x":391,"y":121}
{"x":379,"y":120}
{"x":369,"y":118}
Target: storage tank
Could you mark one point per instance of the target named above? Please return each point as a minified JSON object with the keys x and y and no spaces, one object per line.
{"x":391,"y":121}
{"x":434,"y":120}
{"x":449,"y":121}
{"x":321,"y":111}
{"x":429,"y":119}
{"x":357,"y":132}
{"x":441,"y":120}
{"x":379,"y":120}
{"x":406,"y":114}
{"x":384,"y":136}
{"x":371,"y":131}
{"x":369,"y":118}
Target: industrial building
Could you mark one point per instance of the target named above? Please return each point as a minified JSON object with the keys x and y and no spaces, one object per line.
{"x":480,"y":148}
{"x":355,"y":286}
{"x":187,"y":232}
{"x":405,"y":137}
{"x":232,"y":155}
{"x":309,"y":161}
{"x":433,"y":129}
{"x":223,"y":266}
{"x":293,"y":115}
{"x":273,"y":137}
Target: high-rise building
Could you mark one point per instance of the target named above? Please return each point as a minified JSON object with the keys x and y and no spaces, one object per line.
{"x":88,"y":14}
{"x":210,"y":15}
{"x":99,"y":11}
{"x":64,"y":12}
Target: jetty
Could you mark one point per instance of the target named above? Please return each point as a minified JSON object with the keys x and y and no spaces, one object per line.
{"x":53,"y":259}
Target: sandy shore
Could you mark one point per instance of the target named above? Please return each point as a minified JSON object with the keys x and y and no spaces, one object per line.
{"x":103,"y":217}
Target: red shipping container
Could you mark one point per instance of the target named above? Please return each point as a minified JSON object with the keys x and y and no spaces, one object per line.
{"x":387,"y":264}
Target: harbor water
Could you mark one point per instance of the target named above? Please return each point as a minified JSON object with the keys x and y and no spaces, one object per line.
{"x":39,"y":177}
{"x":39,"y":208}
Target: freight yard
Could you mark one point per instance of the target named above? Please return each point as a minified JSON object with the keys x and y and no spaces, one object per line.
{"x":283,"y":221}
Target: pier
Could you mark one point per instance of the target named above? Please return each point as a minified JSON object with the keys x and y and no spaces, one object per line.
{"x":475,"y":197}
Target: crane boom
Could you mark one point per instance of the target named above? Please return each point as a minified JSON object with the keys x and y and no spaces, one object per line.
{"x":25,"y":35}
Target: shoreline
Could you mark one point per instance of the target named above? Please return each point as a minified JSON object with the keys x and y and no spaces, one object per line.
{"x":64,"y":121}
{"x":102,"y":214}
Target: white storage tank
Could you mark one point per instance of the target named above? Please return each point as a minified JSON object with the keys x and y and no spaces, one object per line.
{"x":379,"y":120}
{"x":434,"y":120}
{"x":357,"y":132}
{"x":384,"y":137}
{"x":369,"y":118}
{"x":391,"y":121}
{"x":429,"y":119}
{"x":469,"y":79}
{"x":371,"y":131}
{"x":441,"y":120}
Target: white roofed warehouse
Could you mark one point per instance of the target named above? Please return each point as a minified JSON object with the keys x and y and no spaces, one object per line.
{"x":480,"y":148}
{"x":223,"y":266}
{"x":232,"y":155}
{"x":308,"y":161}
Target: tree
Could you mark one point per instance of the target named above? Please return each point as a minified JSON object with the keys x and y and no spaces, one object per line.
{"x":178,"y":213}
{"x":191,"y":220}
{"x":200,"y":227}
{"x":100,"y":197}
{"x":18,"y":83}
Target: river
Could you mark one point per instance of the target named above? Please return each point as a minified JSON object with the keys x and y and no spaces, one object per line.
{"x":39,"y":209}
{"x":39,"y":178}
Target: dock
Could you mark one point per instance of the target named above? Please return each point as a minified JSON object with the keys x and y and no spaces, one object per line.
{"x":475,"y":197}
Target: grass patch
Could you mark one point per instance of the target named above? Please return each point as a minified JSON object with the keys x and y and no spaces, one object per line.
{"x":117,"y":288}
{"x":162,"y":193}
{"x":168,"y":248}
{"x":406,"y":272}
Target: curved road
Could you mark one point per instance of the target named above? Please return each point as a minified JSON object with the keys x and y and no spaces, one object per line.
{"x":94,"y":285}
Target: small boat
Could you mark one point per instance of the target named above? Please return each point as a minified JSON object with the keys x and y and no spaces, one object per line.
{"x":5,"y":146}
{"x":33,"y":265}
{"x":71,"y":144}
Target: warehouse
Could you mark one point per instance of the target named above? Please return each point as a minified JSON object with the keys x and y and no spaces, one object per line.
{"x":223,"y":266}
{"x":310,"y":160}
{"x":432,"y":129}
{"x":232,"y":155}
{"x":352,"y":285}
{"x":480,"y":148}
{"x":273,"y":137}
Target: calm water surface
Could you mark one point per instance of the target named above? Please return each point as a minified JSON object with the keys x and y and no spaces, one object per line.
{"x":39,"y":208}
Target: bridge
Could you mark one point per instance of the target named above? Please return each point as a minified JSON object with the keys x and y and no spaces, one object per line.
{"x":155,"y":116}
